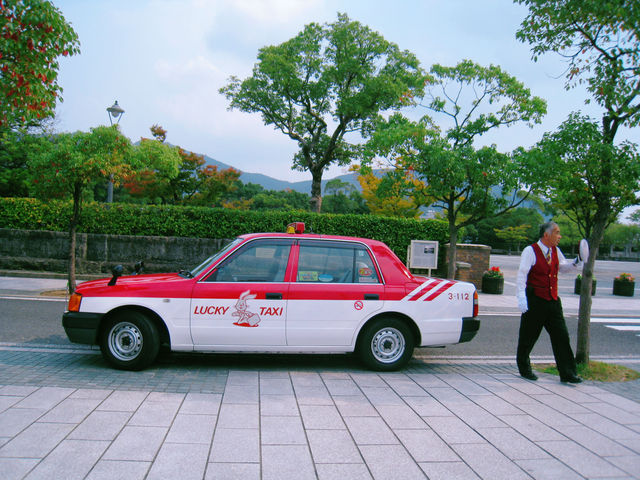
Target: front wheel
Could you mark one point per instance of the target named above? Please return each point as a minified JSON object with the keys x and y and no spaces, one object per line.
{"x":386,"y":344}
{"x":130,"y":341}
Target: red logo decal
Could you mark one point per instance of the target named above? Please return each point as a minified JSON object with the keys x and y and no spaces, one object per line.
{"x":358,"y":305}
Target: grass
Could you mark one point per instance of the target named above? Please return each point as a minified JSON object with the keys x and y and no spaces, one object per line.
{"x":598,"y":371}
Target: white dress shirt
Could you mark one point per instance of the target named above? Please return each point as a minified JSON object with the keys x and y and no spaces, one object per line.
{"x":528,"y":260}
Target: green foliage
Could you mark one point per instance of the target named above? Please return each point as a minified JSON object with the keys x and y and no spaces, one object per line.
{"x":325,"y":82}
{"x":587,"y":172}
{"x":33,"y":35}
{"x":485,"y":231}
{"x":122,"y":219}
{"x":600,"y":40}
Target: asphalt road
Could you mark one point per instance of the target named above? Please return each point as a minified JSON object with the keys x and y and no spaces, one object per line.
{"x":39,"y":322}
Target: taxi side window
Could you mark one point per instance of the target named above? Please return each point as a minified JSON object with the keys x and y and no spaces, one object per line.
{"x":335,"y":264}
{"x":258,"y":262}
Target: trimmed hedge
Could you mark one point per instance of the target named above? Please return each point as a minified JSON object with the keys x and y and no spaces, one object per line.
{"x":204,"y":222}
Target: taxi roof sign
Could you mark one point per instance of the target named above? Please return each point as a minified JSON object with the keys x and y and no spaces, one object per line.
{"x":295,"y":227}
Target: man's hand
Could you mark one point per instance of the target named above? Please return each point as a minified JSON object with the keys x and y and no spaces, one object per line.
{"x":522,"y":305}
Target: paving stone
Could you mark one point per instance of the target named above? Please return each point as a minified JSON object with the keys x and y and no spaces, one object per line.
{"x":201,"y":403}
{"x":548,"y":415}
{"x":615,"y":413}
{"x":235,"y":445}
{"x":607,"y":427}
{"x":370,"y":431}
{"x":594,"y":441}
{"x":241,"y":394}
{"x":425,"y":446}
{"x":119,"y":470}
{"x":287,"y":462}
{"x":368,"y":380}
{"x":36,"y":441}
{"x":512,"y":444}
{"x":342,"y":471}
{"x":382,"y":396}
{"x":7,"y":401}
{"x":452,"y":430}
{"x":16,"y":468}
{"x":239,"y":416}
{"x":333,"y":446}
{"x":548,"y":469}
{"x":282,"y":431}
{"x":448,"y":471}
{"x":321,"y":417}
{"x":101,"y":425}
{"x":400,"y":416}
{"x":313,"y":395}
{"x":355,"y":406}
{"x":428,"y":407}
{"x":14,"y":420}
{"x":71,"y":410}
{"x":580,"y":459}
{"x":629,"y":463}
{"x":232,"y":471}
{"x":531,"y":427}
{"x":390,"y":461}
{"x":342,"y":387}
{"x":17,"y":390}
{"x":192,"y":429}
{"x":136,"y":443}
{"x":123,"y":401}
{"x":279,"y":405}
{"x":72,"y":459}
{"x":306,"y":379}
{"x":275,"y":386}
{"x":45,"y":398}
{"x":495,"y":405}
{"x":561,"y":404}
{"x":427,"y":381}
{"x":488,"y":462}
{"x":90,"y":393}
{"x":183,"y":461}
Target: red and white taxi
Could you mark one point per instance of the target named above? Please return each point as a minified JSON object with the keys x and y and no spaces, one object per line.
{"x":270,"y":292}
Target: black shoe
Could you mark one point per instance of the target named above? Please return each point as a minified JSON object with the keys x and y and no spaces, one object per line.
{"x":529,"y":376}
{"x":571,"y":379}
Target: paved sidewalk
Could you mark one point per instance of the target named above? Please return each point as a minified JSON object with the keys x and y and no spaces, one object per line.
{"x":65,"y":414}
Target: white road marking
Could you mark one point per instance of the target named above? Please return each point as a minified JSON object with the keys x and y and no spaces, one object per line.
{"x":614,"y":320}
{"x":37,"y":299}
{"x":625,"y":328}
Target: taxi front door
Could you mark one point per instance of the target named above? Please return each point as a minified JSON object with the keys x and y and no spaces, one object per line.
{"x":243,"y":302}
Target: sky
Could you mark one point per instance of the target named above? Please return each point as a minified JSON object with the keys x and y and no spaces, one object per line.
{"x":165,"y":60}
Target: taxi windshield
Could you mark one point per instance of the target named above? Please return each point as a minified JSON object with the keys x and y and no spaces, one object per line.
{"x":215,"y":257}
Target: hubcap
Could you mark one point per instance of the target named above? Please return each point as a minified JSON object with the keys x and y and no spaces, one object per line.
{"x":125,"y":341}
{"x":388,"y":345}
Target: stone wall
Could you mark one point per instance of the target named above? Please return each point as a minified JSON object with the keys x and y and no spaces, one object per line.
{"x":472,"y":260}
{"x":49,"y":251}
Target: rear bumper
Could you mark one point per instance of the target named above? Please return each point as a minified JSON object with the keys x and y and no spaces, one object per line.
{"x":470,"y":326}
{"x":82,"y":327}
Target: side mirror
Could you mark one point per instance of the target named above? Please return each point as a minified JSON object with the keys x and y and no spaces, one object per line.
{"x":116,"y":272}
{"x":139,"y":267}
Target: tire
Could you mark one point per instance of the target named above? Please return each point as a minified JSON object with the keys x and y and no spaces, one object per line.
{"x":129,"y":341}
{"x":386,"y":344}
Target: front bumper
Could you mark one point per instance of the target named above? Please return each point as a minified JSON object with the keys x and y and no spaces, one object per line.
{"x":470,"y":326}
{"x":82,"y":327}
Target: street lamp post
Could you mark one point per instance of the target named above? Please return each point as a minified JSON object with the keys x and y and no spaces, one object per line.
{"x":115,"y":112}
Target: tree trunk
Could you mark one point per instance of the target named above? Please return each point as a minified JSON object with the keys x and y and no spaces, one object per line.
{"x":316,"y":190}
{"x":584,"y":309}
{"x":453,"y":241}
{"x":73,"y":224}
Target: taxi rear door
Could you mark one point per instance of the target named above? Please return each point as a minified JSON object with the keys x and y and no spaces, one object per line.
{"x":335,"y":286}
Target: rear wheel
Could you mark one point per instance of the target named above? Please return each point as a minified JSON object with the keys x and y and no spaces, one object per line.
{"x":130,"y":341}
{"x":386,"y":344}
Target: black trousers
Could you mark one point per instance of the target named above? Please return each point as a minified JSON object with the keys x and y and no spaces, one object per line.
{"x":547,"y":314}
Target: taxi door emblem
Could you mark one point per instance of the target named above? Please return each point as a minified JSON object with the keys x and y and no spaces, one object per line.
{"x":246,"y":318}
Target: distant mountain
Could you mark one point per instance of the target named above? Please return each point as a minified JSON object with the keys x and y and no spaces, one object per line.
{"x":270,"y":183}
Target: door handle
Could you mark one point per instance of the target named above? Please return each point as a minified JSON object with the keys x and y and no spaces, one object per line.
{"x":273,"y":296}
{"x":371,"y":296}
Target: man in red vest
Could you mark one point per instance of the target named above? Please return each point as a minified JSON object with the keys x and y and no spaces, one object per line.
{"x":537,"y":293}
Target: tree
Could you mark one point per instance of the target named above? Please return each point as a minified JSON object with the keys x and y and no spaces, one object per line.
{"x":67,"y":164}
{"x":390,"y":194}
{"x":177,"y":176}
{"x":600,"y":40}
{"x":326,"y":82}
{"x":513,"y":235}
{"x":468,"y":183}
{"x":33,"y":35}
{"x":484,"y":232}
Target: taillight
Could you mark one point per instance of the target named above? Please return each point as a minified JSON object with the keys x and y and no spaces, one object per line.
{"x":74,"y":302}
{"x":476,"y":306}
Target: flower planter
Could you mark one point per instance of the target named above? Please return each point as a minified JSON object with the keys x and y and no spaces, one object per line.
{"x":578,"y":285}
{"x":623,"y":288}
{"x":492,"y":285}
